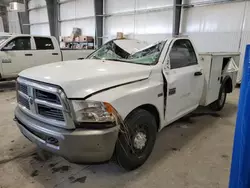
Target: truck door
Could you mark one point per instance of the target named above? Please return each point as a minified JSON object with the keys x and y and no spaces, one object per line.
{"x":184,"y":80}
{"x":46,"y":51}
{"x":16,"y":56}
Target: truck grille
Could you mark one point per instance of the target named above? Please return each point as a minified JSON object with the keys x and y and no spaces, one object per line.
{"x":23,"y":88}
{"x":23,"y":101}
{"x":50,"y":113}
{"x":50,"y":97}
{"x":40,"y":102}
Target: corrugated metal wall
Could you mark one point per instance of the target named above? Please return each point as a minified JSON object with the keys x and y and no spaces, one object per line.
{"x":78,"y":13}
{"x":245,"y":37}
{"x":219,"y":28}
{"x":38,"y":16}
{"x":142,"y":19}
{"x":214,"y":28}
{"x":75,"y":13}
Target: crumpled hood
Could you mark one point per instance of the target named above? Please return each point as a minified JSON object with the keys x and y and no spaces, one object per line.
{"x":81,"y":78}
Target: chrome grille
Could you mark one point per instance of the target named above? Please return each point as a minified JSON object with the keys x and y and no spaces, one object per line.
{"x":23,"y":101}
{"x":41,"y":101}
{"x":51,"y":113}
{"x":23,"y":88}
{"x":50,"y":97}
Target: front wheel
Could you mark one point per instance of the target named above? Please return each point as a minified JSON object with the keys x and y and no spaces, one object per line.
{"x":220,"y":102}
{"x":136,"y":139}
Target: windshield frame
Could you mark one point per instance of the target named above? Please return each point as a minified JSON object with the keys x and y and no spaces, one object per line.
{"x":128,"y":61}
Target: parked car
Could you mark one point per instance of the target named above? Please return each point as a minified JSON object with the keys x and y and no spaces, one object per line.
{"x":19,"y":52}
{"x":114,"y":102}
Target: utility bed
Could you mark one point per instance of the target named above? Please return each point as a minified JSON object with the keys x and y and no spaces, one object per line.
{"x":217,"y":65}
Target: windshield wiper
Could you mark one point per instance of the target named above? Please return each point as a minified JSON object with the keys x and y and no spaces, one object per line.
{"x":95,"y":57}
{"x":114,"y":59}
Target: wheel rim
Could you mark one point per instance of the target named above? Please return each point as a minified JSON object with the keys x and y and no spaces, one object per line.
{"x":140,"y":140}
{"x":222,"y":98}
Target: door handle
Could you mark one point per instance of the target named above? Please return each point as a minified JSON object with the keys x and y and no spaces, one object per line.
{"x":54,"y":53}
{"x":199,"y":73}
{"x":6,"y":61}
{"x":28,"y":54}
{"x":172,"y":91}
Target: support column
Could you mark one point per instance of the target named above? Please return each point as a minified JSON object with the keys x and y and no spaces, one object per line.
{"x":4,"y":15}
{"x":176,"y":17}
{"x":52,"y":8}
{"x":24,"y":19}
{"x":98,"y":4}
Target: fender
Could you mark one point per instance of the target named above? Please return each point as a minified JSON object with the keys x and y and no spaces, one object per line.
{"x":127,"y":98}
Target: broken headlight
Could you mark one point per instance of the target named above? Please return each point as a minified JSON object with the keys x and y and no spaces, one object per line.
{"x":92,"y":112}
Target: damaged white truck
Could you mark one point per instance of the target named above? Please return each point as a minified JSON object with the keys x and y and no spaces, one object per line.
{"x":115,"y":101}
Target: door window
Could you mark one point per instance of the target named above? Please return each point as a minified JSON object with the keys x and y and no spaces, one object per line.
{"x":182,"y":54}
{"x":19,"y":43}
{"x":43,"y":43}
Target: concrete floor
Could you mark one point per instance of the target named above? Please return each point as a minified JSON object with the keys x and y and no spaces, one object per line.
{"x":192,"y":153}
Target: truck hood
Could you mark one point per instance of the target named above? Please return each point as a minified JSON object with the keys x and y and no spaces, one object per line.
{"x":81,"y":78}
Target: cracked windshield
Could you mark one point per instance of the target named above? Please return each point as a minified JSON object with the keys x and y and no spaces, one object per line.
{"x":146,"y":56}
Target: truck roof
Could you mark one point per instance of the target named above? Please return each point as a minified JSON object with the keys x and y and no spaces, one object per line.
{"x":24,"y":35}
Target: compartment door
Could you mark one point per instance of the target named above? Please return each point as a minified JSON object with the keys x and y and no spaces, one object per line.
{"x":214,"y":79}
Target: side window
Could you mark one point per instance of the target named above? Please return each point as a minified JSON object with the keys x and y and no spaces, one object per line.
{"x":19,"y":43}
{"x":182,"y":54}
{"x":43,"y":43}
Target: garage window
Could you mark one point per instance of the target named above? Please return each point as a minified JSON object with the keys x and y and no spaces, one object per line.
{"x":43,"y":43}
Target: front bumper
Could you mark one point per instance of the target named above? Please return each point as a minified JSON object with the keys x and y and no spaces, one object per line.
{"x":79,"y":145}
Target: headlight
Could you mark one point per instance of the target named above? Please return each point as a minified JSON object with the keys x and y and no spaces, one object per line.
{"x":92,"y":111}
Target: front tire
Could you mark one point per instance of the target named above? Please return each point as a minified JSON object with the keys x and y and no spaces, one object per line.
{"x":136,"y":139}
{"x":220,"y":102}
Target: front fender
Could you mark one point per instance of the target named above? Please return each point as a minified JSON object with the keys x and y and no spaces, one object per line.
{"x":128,"y":97}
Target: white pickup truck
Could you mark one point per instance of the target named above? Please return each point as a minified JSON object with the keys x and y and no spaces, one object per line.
{"x":115,"y":102}
{"x":19,"y":52}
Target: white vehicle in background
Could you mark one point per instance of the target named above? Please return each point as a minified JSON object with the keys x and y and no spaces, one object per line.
{"x":19,"y":52}
{"x":114,"y":102}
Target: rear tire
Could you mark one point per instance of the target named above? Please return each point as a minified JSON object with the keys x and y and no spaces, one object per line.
{"x":220,"y":102}
{"x":136,"y":139}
